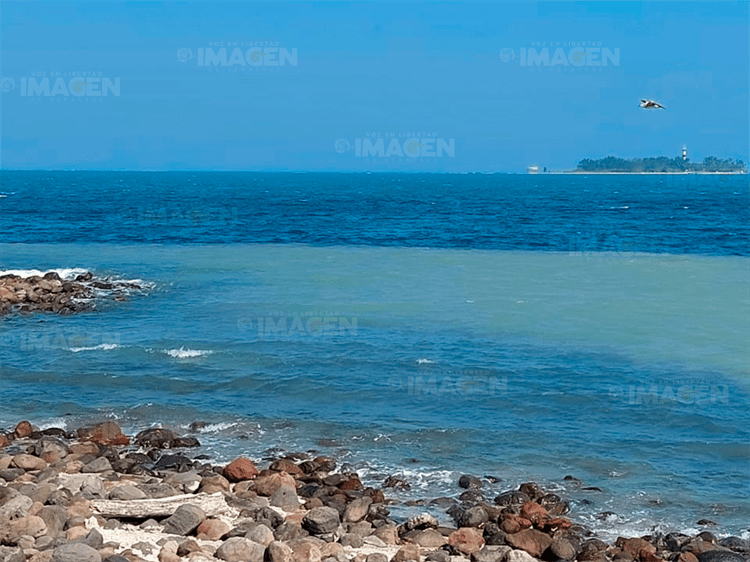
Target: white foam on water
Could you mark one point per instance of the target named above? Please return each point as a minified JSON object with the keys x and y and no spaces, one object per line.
{"x":104,"y":346}
{"x":183,"y":353}
{"x":64,"y":273}
{"x":423,"y":361}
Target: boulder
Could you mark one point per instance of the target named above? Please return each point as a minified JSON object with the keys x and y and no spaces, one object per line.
{"x":184,"y":520}
{"x":530,"y":540}
{"x":212,"y":530}
{"x":106,"y":433}
{"x":466,"y":540}
{"x":240,"y":469}
{"x":75,"y":552}
{"x":321,"y":520}
{"x":267,"y":484}
{"x":240,"y":549}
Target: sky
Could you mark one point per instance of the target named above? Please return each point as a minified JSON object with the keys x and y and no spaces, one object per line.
{"x":386,"y":86}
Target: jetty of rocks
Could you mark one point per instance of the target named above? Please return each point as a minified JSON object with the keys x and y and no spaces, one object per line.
{"x":98,"y":495}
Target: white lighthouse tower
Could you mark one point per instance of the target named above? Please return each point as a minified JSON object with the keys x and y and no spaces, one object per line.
{"x":684,"y":153}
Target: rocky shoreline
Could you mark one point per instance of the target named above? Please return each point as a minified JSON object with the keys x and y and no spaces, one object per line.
{"x":52,"y":293}
{"x":97,"y":495}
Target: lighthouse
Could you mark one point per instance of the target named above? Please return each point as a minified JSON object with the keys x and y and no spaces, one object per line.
{"x":684,"y":153}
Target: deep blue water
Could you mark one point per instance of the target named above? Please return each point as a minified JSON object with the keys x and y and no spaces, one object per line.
{"x":526,"y":327}
{"x":696,"y":214}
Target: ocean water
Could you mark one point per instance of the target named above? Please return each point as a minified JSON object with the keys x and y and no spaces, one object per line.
{"x":524,"y":327}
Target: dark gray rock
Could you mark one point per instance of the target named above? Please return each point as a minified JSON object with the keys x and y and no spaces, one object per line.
{"x":473,"y":517}
{"x":184,"y":520}
{"x":11,"y":554}
{"x":350,"y":539}
{"x":100,"y":464}
{"x":93,"y":539}
{"x":321,"y":520}
{"x":469,"y":482}
{"x":735,"y":543}
{"x":512,"y":498}
{"x":720,"y":556}
{"x":155,"y":437}
{"x":75,"y":552}
{"x":285,"y":497}
{"x":561,"y":549}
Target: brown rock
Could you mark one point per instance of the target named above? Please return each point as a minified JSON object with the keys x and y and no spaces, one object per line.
{"x":428,"y":538}
{"x":212,"y":484}
{"x":212,"y":530}
{"x":387,"y":533}
{"x":510,"y":525}
{"x":266,"y":485}
{"x":406,"y":553}
{"x":279,"y":552}
{"x":31,"y":525}
{"x":647,"y":556}
{"x":4,"y":440}
{"x":534,"y":513}
{"x":285,"y":465}
{"x":352,"y":483}
{"x":530,"y":540}
{"x":466,"y":540}
{"x":23,"y":430}
{"x":28,"y":462}
{"x":305,"y":550}
{"x":85,"y":448}
{"x":632,"y":547}
{"x":240,"y":469}
{"x":106,"y":433}
{"x":687,"y":557}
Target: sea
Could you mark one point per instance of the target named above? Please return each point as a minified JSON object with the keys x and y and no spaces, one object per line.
{"x":523,"y":327}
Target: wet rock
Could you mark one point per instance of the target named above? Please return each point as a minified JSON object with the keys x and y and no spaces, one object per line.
{"x":396,"y":482}
{"x":512,"y":498}
{"x":534,"y":512}
{"x":720,"y":556}
{"x":424,"y":521}
{"x":561,"y":549}
{"x":736,"y":544}
{"x":473,"y":517}
{"x":240,"y":469}
{"x":23,"y":430}
{"x":106,"y":433}
{"x":184,"y":520}
{"x":530,"y":540}
{"x":159,"y":438}
{"x":469,"y":482}
{"x":285,"y":465}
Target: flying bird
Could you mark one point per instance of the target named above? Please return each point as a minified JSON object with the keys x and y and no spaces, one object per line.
{"x":651,"y":104}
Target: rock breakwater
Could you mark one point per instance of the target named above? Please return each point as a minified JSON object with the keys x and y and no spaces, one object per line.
{"x":98,"y":495}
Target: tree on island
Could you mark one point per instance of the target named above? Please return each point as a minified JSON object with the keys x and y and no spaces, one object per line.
{"x":660,"y":164}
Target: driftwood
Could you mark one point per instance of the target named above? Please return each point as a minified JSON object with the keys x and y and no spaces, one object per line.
{"x":210,"y":504}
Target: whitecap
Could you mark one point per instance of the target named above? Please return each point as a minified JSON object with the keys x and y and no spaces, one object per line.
{"x":423,"y":361}
{"x":183,"y":353}
{"x":105,"y":346}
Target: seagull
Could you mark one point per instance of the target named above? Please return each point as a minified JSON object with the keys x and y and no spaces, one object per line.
{"x":651,"y":104}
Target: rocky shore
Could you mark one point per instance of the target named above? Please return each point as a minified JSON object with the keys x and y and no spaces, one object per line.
{"x":97,"y":495}
{"x":52,"y":293}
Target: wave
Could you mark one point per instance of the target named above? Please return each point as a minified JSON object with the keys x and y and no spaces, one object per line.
{"x":64,"y":273}
{"x":423,"y":361}
{"x":105,"y":346}
{"x":183,"y":353}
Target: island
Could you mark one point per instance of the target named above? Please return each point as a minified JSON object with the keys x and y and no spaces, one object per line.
{"x":661,"y":165}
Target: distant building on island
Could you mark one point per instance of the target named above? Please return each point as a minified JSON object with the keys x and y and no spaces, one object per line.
{"x":684,"y":153}
{"x":533,"y":169}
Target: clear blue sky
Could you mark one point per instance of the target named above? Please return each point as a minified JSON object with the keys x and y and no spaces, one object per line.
{"x":451,"y":70}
